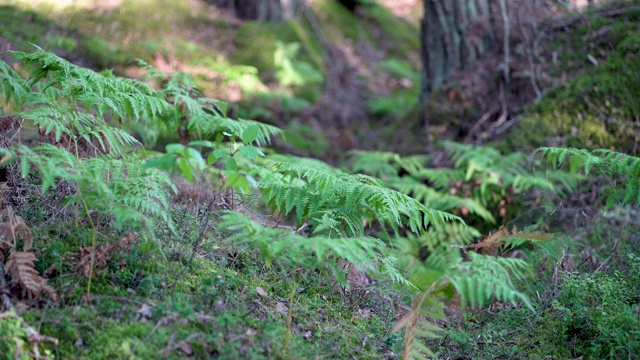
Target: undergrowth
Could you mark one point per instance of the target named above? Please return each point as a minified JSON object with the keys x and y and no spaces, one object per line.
{"x":256,"y":254}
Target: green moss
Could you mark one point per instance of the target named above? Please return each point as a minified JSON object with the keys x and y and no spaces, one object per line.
{"x":21,"y":27}
{"x":256,"y":44}
{"x":397,"y":36}
{"x":336,"y":21}
{"x":600,"y":107}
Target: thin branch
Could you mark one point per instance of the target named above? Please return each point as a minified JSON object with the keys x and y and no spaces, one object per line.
{"x":507,"y":30}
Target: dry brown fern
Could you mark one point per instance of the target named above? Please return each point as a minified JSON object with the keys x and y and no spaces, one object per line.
{"x":19,"y":264}
{"x":12,"y":228}
{"x":496,"y":239}
{"x":416,"y":322}
{"x":101,"y":255}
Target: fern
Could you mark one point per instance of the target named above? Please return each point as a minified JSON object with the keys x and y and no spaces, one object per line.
{"x":478,"y":280}
{"x":610,"y":163}
{"x":387,"y":166}
{"x":12,"y":86}
{"x":362,"y":197}
{"x":417,"y":324}
{"x":438,"y":200}
{"x":317,"y":251}
{"x":202,"y":117}
{"x":74,"y":103}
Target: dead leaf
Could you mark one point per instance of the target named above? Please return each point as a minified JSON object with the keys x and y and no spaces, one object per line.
{"x":282,"y":309}
{"x":261,"y":291}
{"x":185,"y":348}
{"x":145,"y":312}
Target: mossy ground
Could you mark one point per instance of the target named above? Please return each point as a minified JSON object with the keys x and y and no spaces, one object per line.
{"x":221,"y":301}
{"x":597,"y":107}
{"x":584,"y":309}
{"x":149,"y":301}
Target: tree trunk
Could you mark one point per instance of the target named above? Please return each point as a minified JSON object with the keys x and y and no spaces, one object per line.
{"x":454,"y":34}
{"x":264,"y":10}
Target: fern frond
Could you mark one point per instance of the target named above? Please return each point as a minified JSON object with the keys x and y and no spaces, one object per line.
{"x":417,"y":325}
{"x":578,"y":158}
{"x":22,"y":270}
{"x":485,"y":277}
{"x":362,"y":195}
{"x":610,"y":163}
{"x":12,"y":86}
{"x":287,"y":246}
{"x":438,"y":200}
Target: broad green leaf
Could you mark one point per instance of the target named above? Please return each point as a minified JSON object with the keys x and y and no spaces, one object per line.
{"x":219,"y":153}
{"x":212,"y":159}
{"x":237,"y":181}
{"x":174,"y":148}
{"x":165,"y":162}
{"x":203,"y":143}
{"x":231,"y":164}
{"x":147,"y":246}
{"x":186,"y":169}
{"x":250,"y":134}
{"x":195,"y":156}
{"x":249,"y":151}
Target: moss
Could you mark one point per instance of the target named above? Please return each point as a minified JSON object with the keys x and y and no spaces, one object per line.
{"x":397,"y":36}
{"x":256,"y":44}
{"x":336,"y":21}
{"x":600,"y":107}
{"x":21,"y":27}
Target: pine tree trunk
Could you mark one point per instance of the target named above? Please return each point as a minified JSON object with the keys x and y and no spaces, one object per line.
{"x":454,"y":34}
{"x":264,"y":10}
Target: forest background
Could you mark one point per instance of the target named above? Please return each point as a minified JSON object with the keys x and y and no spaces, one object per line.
{"x":319,"y":179}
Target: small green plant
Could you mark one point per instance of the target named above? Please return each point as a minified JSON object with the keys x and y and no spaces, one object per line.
{"x":290,"y":70}
{"x":622,"y":169}
{"x":13,"y":336}
{"x":598,"y":313}
{"x":404,"y":97}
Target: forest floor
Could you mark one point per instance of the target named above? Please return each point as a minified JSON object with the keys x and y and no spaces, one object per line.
{"x":213,"y":297}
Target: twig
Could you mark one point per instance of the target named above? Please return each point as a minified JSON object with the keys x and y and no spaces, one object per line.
{"x":530,"y":53}
{"x":606,"y":14}
{"x":614,"y":250}
{"x":290,"y":315}
{"x":4,"y":291}
{"x":481,"y":121}
{"x":505,"y":45}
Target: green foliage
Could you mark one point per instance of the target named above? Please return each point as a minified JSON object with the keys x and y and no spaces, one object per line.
{"x":319,"y":195}
{"x":483,"y":182}
{"x":598,"y":107}
{"x":597,"y":315}
{"x":402,"y":99}
{"x":294,"y":250}
{"x":378,"y":223}
{"x":13,"y":336}
{"x":72,"y":104}
{"x":197,"y":117}
{"x":290,"y":70}
{"x":387,"y":166}
{"x":610,"y":163}
{"x":434,"y":260}
{"x":480,"y":279}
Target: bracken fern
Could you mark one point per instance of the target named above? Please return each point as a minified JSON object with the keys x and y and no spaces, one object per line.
{"x":610,"y":163}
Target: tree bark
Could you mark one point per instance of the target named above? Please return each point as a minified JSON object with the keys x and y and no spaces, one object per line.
{"x":454,"y":34}
{"x":263,"y":10}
